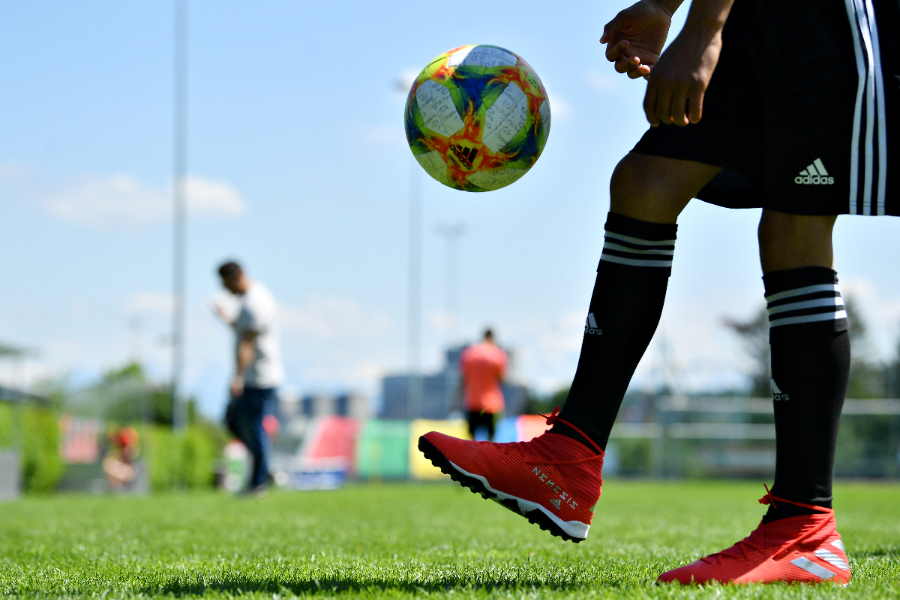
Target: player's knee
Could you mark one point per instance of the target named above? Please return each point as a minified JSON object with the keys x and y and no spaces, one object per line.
{"x":633,"y":180}
{"x":641,"y":187}
{"x":789,"y":241}
{"x":778,"y":228}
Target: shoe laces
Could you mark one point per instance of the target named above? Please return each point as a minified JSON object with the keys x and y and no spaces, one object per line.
{"x":553,"y":418}
{"x":753,"y":542}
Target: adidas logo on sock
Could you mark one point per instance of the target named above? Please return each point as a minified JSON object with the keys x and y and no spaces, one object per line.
{"x":777,"y":394}
{"x":590,"y":326}
{"x":814,"y":174}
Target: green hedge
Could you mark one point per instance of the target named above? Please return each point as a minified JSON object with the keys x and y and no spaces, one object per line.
{"x":184,"y":460}
{"x":6,"y":426}
{"x":175,"y":461}
{"x":42,"y":465}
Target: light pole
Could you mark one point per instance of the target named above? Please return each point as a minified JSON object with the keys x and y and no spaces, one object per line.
{"x":414,"y":392}
{"x":452,"y":233}
{"x":179,"y":168}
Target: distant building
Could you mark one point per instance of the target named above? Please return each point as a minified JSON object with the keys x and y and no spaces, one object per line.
{"x":312,"y":406}
{"x":440,"y":392}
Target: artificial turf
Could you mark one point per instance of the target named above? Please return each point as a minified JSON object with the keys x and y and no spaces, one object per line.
{"x":408,"y":540}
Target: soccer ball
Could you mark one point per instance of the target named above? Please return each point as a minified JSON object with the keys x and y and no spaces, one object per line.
{"x":477,"y":118}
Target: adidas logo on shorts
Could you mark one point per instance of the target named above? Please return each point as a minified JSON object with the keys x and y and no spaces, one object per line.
{"x":814,"y":174}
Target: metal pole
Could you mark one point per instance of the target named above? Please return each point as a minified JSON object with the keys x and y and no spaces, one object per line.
{"x":414,"y":391}
{"x":452,"y":232}
{"x":180,"y":213}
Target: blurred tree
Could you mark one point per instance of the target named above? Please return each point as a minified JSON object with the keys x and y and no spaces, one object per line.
{"x":126,"y":394}
{"x":867,"y":377}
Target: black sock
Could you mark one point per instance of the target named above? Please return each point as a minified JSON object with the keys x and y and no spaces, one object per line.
{"x":625,"y":308}
{"x":810,"y":367}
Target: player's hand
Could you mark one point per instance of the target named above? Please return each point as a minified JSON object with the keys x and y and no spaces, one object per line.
{"x":678,"y":82}
{"x":237,"y":386}
{"x":219,"y":311}
{"x":635,"y":37}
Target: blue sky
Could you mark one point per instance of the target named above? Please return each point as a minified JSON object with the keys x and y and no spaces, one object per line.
{"x":299,"y":168}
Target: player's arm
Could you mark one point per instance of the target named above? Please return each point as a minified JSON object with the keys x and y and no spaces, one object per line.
{"x":679,"y":80}
{"x":244,"y":355}
{"x":636,"y":35}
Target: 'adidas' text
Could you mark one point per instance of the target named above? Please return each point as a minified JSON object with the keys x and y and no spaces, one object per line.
{"x":814,"y":174}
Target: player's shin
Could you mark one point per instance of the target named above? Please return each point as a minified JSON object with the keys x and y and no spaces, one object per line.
{"x":625,"y":308}
{"x":810,"y":367}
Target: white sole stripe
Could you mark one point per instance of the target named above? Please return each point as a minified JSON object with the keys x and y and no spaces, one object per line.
{"x":831,"y":316}
{"x":641,"y":241}
{"x":810,"y":289}
{"x":839,"y":544}
{"x":811,"y":567}
{"x":576,"y":529}
{"x":835,"y":301}
{"x":632,"y":262}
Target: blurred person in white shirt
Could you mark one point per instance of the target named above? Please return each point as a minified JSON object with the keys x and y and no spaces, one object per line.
{"x":258,"y":370}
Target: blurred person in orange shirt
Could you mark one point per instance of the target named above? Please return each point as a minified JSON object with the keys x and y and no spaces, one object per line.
{"x":119,"y":465}
{"x":482,"y":368}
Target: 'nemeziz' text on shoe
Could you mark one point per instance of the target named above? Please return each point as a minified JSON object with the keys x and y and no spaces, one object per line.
{"x":553,"y":480}
{"x":801,"y":549}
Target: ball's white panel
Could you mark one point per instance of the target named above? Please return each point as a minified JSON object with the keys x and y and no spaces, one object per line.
{"x":437,"y":109}
{"x":459,"y":56}
{"x":487,"y":56}
{"x":545,"y":120}
{"x":505,"y":118}
{"x":435,"y":166}
{"x":496,"y":178}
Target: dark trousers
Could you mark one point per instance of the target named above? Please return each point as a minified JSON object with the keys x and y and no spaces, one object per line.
{"x":477,"y":419}
{"x":244,"y":419}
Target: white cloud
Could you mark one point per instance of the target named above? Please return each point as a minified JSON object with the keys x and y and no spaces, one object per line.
{"x":560,"y":108}
{"x":10,"y":169}
{"x":880,"y":312}
{"x":121,"y":199}
{"x":385,"y":134}
{"x":331,"y":318}
{"x":605,"y":81}
{"x":151,"y":302}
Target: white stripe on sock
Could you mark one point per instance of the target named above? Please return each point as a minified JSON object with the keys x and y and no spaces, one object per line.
{"x":633,"y":262}
{"x":808,"y":318}
{"x":810,"y":289}
{"x":835,"y":301}
{"x":641,"y":241}
{"x":613,"y":246}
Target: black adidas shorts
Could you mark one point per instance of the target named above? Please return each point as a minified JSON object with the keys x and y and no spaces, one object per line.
{"x":803,"y":110}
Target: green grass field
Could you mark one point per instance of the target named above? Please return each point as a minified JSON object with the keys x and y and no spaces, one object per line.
{"x":398,"y":541}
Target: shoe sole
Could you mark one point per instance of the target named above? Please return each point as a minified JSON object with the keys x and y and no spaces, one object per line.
{"x":477,"y":484}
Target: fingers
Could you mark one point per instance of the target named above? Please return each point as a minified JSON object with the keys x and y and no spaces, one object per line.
{"x":640,"y":71}
{"x":678,"y":109}
{"x":616,"y":51}
{"x":695,"y":104}
{"x":626,"y":62}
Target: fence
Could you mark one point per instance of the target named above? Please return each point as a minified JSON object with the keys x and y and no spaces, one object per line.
{"x":726,"y":436}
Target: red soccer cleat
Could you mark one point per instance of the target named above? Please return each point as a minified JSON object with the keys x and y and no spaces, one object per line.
{"x":553,"y":480}
{"x":802,"y":549}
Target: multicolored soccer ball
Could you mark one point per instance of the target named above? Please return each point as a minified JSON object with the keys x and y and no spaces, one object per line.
{"x":477,"y":118}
